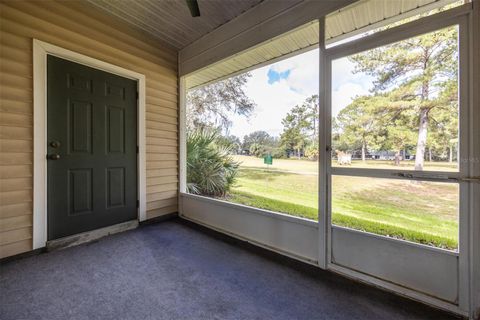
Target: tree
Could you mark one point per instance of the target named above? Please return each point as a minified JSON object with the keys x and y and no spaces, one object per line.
{"x":231,"y":142}
{"x":423,"y":64}
{"x":397,"y":121}
{"x":358,"y":126}
{"x":257,"y":149}
{"x":301,"y":128}
{"x":257,"y":137}
{"x":311,"y":105}
{"x":212,"y":105}
{"x":293,"y":137}
{"x":444,"y":125}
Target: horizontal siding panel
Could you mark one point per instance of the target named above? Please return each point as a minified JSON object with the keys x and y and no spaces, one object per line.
{"x":15,"y":171}
{"x":14,"y":54}
{"x":16,"y":184}
{"x":162,"y":149}
{"x":161,"y":195}
{"x":14,"y":41}
{"x":11,"y":158}
{"x":22,"y":69}
{"x":162,"y":180}
{"x":13,"y":106}
{"x":15,"y":248}
{"x":152,"y":87}
{"x":16,"y":119}
{"x":161,"y":103}
{"x":161,"y":156}
{"x":13,"y":80}
{"x":161,"y":126}
{"x":16,"y":235}
{"x":14,"y":223}
{"x":160,"y":212}
{"x":161,"y":164}
{"x":162,"y":203}
{"x":161,"y":141}
{"x":161,"y":118}
{"x":17,"y":94}
{"x":14,"y":197}
{"x":16,"y":145}
{"x":166,"y":108}
{"x":21,"y":133}
{"x":155,"y":173}
{"x":162,"y":188}
{"x":14,"y":210}
{"x":158,"y":86}
{"x":161,"y":134}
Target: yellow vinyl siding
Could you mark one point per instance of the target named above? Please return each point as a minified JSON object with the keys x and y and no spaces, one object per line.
{"x":79,"y":27}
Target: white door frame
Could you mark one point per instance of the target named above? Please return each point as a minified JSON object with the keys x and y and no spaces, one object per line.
{"x":40,"y":52}
{"x":459,"y":16}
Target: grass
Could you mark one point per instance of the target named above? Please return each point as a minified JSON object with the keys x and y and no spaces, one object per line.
{"x":423,"y":212}
{"x":304,"y":166}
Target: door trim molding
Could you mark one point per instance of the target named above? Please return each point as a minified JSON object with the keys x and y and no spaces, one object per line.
{"x":40,"y":51}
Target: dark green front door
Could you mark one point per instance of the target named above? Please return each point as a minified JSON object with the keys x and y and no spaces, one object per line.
{"x":92,"y":148}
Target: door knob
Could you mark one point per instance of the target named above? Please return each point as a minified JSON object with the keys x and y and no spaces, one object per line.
{"x":54,"y":156}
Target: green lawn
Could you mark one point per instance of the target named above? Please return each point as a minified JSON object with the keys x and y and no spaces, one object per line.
{"x":424,"y":212}
{"x":304,"y":166}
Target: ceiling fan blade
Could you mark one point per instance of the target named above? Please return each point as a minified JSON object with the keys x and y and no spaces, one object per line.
{"x":194,"y":9}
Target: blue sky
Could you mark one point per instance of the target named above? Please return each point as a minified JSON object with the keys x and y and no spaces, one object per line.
{"x":274,"y":76}
{"x":278,"y":87}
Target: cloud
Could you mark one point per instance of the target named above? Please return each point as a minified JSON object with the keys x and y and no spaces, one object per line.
{"x":347,"y":85}
{"x":344,"y":94}
{"x":273,"y":101}
{"x":298,"y":80}
{"x":303,"y":68}
{"x":342,"y":72}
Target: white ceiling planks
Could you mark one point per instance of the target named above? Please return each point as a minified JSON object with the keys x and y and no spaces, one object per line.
{"x":303,"y":38}
{"x":354,"y":19}
{"x":170,"y":20}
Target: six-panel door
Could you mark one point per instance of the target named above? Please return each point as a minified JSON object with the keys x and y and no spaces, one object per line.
{"x":92,"y":143}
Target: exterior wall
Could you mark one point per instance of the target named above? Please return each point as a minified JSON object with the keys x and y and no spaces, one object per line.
{"x":81,"y":28}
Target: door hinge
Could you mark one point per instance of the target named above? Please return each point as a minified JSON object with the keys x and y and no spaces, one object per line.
{"x":138,"y":203}
{"x":138,"y":149}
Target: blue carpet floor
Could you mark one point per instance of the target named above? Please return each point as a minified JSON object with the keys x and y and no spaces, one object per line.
{"x":170,"y":270}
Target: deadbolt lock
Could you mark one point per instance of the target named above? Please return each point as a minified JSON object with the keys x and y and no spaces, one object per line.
{"x":55,"y":144}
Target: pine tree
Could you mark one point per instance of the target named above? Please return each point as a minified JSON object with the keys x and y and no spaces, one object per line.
{"x":420,"y":67}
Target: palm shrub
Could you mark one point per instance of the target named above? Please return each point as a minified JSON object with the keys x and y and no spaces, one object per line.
{"x":211,"y":170}
{"x":257,"y":150}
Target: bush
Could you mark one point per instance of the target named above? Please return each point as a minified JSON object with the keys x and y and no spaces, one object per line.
{"x":211,"y":170}
{"x":311,"y":152}
{"x":278,"y":153}
{"x":257,"y":150}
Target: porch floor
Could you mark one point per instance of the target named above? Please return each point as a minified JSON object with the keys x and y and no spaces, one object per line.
{"x":170,"y":270}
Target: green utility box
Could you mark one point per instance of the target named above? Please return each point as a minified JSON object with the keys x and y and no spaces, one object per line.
{"x":268,"y":159}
